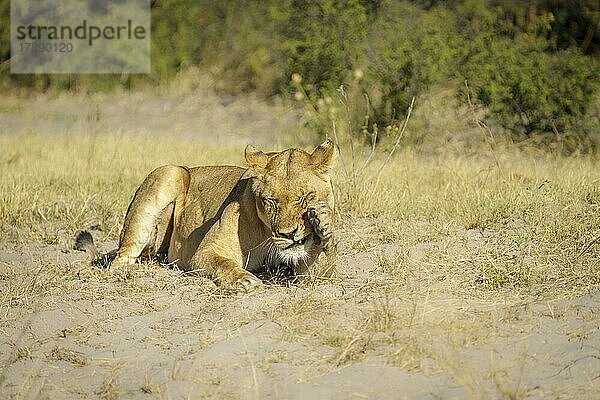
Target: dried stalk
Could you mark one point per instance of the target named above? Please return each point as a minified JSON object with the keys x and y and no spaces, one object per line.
{"x":400,"y":135}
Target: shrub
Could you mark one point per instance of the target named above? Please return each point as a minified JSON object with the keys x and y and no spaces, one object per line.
{"x":409,"y":49}
{"x":530,"y":64}
{"x":320,"y":40}
{"x":528,"y":90}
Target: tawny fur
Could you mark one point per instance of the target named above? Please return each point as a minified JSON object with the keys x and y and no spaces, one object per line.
{"x":227,"y":222}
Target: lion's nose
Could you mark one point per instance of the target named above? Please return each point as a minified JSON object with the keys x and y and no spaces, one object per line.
{"x":288,"y":234}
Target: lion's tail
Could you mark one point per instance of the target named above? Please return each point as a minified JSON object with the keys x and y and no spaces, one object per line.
{"x":84,"y":241}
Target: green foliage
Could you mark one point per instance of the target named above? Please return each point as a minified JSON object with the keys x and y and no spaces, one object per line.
{"x":238,"y":44}
{"x":532,"y":65}
{"x":175,"y":36}
{"x":320,"y":40}
{"x":4,"y":30}
{"x":566,"y":23}
{"x":526,"y":87}
{"x":408,"y":50}
{"x":175,"y":46}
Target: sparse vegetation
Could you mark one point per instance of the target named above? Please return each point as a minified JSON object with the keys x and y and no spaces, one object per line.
{"x":446,"y":253}
{"x":469,"y":243}
{"x":532,"y":65}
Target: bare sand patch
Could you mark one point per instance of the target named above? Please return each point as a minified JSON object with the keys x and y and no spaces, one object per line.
{"x":69,"y":330}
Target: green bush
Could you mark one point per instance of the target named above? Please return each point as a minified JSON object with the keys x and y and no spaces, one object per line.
{"x":532,"y":65}
{"x":320,"y":40}
{"x":175,"y":36}
{"x":258,"y":45}
{"x":238,"y":45}
{"x":409,"y":49}
{"x":175,"y":46}
{"x":529,"y":90}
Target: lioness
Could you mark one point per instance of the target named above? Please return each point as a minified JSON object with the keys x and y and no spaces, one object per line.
{"x":227,"y":222}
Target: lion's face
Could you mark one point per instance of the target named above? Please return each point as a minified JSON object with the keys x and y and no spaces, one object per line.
{"x":284,"y":185}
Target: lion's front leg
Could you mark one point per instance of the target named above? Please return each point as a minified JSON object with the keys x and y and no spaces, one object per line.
{"x":320,"y":218}
{"x":220,"y":256}
{"x":227,"y":271}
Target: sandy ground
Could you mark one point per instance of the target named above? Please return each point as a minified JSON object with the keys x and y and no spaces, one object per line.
{"x":75,"y":332}
{"x":391,"y":325}
{"x":198,"y":114}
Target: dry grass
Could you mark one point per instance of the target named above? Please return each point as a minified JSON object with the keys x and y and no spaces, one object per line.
{"x":445,"y":259}
{"x":528,"y":221}
{"x":52,"y":186}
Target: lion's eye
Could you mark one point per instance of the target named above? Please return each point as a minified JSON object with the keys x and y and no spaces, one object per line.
{"x":269,"y":202}
{"x":304,"y":200}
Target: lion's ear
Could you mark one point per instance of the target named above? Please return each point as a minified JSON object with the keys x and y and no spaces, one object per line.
{"x":323,"y":156}
{"x":256,"y":158}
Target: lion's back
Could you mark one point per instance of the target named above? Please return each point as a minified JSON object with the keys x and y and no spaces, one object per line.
{"x":211,"y":186}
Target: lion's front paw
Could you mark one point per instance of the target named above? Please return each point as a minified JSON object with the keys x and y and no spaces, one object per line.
{"x":320,"y":217}
{"x":122,"y":265}
{"x":243,"y":280}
